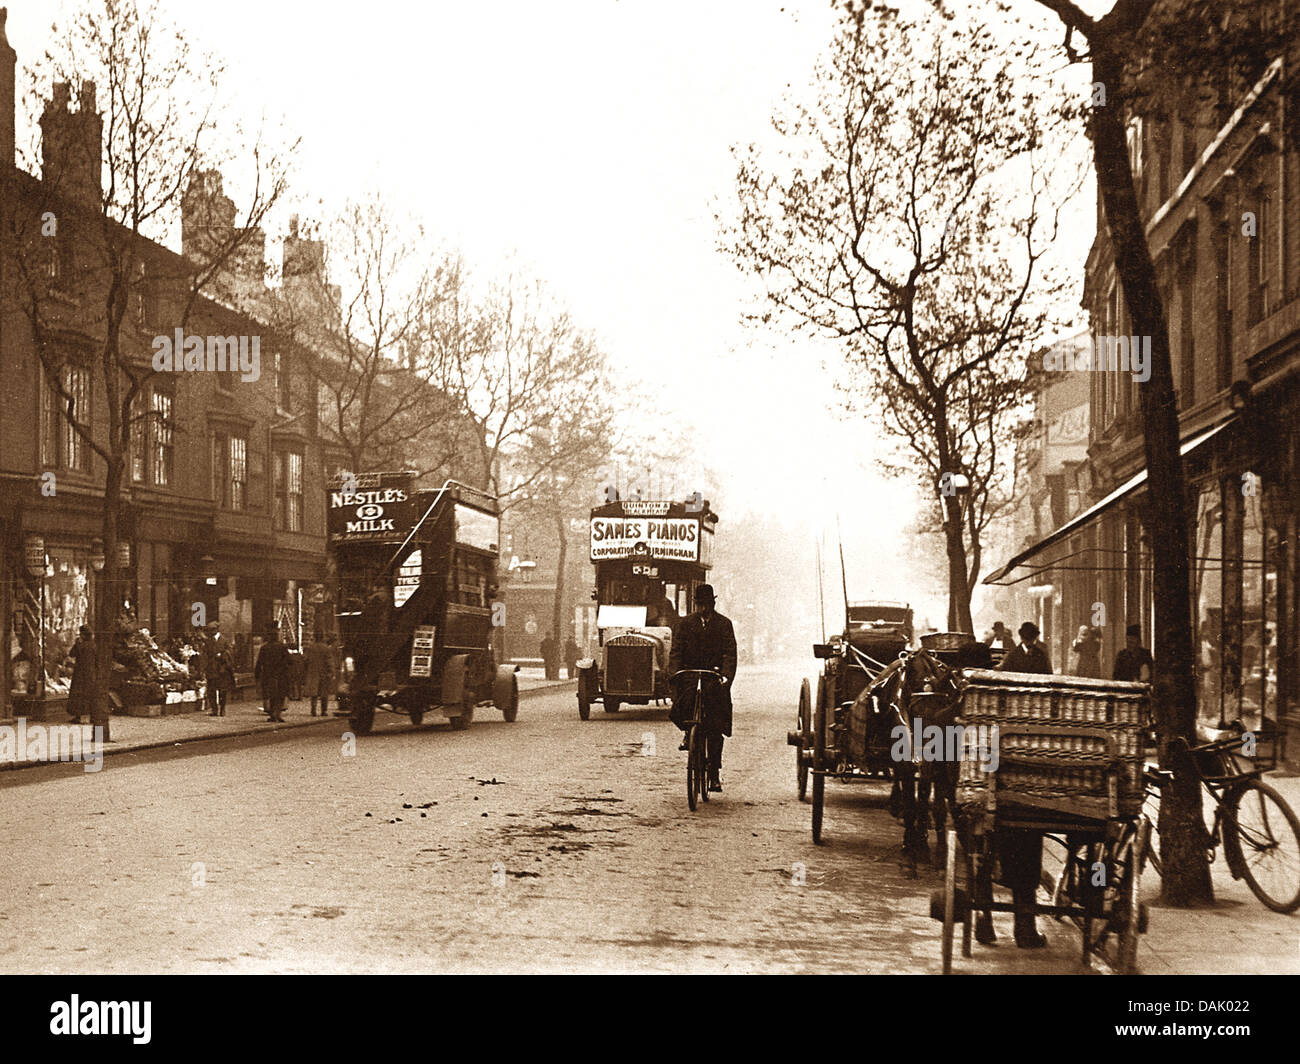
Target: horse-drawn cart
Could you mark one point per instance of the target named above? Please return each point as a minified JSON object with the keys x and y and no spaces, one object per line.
{"x":1065,"y":763}
{"x":830,"y":739}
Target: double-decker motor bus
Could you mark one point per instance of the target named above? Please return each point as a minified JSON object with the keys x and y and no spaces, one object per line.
{"x":417,"y":580}
{"x":649,"y":558}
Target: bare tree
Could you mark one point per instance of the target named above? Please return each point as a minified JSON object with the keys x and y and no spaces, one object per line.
{"x":516,"y":366}
{"x":113,"y":177}
{"x":354,"y":301}
{"x":883,"y":222}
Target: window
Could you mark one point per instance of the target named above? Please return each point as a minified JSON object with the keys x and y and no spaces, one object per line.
{"x":161,"y":435}
{"x":288,"y":491}
{"x":1223,"y":304}
{"x":144,"y":297}
{"x":61,"y":446}
{"x":230,"y":471}
{"x":1259,"y":258}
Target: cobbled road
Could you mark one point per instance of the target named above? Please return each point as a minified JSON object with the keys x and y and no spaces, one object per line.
{"x":549,"y":844}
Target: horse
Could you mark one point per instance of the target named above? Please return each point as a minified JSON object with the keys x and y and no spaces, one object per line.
{"x":914,"y":693}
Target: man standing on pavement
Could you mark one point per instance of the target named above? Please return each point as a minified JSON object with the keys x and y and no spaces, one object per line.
{"x":571,"y":657}
{"x":1134,"y":662}
{"x":218,"y":664}
{"x":272,"y":672}
{"x":1028,"y":655}
{"x":320,"y":666}
{"x":706,"y":640}
{"x":81,"y":692}
{"x":549,"y":666}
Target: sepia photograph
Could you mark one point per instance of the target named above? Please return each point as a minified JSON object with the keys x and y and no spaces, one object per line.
{"x":626,"y":487}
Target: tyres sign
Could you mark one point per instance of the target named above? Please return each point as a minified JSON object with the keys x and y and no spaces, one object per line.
{"x":673,"y":538}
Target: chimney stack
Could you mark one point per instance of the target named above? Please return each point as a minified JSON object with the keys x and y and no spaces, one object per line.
{"x":72,"y":143}
{"x":8,"y":102}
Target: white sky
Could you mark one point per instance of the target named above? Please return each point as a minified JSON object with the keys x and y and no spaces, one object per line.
{"x":588,"y":139}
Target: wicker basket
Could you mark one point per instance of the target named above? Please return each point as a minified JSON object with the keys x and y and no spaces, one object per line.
{"x":1066,"y":744}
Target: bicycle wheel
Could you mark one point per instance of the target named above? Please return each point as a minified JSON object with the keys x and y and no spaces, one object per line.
{"x":692,"y":773}
{"x":1264,"y":835}
{"x":702,"y":765}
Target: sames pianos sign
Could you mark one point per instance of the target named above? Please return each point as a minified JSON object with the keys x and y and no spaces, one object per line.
{"x":669,"y":538}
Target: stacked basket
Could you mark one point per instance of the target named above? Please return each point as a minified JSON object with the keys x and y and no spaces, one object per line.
{"x":1067,"y":745}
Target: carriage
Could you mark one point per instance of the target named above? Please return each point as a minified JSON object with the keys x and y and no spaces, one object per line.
{"x":845,"y":732}
{"x":1069,"y":768}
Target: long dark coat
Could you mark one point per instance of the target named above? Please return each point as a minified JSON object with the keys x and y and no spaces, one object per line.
{"x":707,"y":644}
{"x":320,"y":670}
{"x":218,"y":663}
{"x":82,"y":689}
{"x":272,"y":671}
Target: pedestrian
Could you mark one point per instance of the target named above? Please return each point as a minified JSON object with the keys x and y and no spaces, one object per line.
{"x":272,"y":672}
{"x":1029,"y":655}
{"x":706,"y":640}
{"x":549,"y":666}
{"x":571,"y":657}
{"x":297,"y":673}
{"x":1086,"y":657}
{"x":81,"y":692}
{"x":319,"y":668}
{"x":218,"y":663}
{"x":999,"y":637}
{"x":1134,"y":662}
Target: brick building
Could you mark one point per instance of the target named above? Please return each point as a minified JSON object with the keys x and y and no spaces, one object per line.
{"x":1221,"y":195}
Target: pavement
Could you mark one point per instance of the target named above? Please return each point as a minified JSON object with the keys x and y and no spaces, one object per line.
{"x":243,"y":717}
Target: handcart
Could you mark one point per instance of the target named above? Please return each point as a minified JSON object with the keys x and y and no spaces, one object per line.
{"x":1068,"y":767}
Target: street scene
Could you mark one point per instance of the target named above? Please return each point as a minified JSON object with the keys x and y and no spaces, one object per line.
{"x":607,"y":487}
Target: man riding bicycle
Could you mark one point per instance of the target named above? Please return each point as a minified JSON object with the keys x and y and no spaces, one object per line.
{"x":705,"y":640}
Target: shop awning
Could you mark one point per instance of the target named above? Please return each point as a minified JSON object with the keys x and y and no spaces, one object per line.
{"x":1129,"y":487}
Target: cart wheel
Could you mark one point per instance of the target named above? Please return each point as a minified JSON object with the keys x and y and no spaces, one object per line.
{"x":949,"y":901}
{"x":362,"y":717}
{"x":819,"y":770}
{"x":417,"y":716}
{"x":1132,"y":916}
{"x":584,"y":695}
{"x":612,"y":705}
{"x":800,"y":751}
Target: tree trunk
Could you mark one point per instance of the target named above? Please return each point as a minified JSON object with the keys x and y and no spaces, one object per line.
{"x":1186,"y":867}
{"x":959,"y":618}
{"x":558,"y":626}
{"x":108,"y":601}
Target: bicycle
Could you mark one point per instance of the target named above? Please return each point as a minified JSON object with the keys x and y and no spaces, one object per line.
{"x":697,"y":781}
{"x":1258,"y":830}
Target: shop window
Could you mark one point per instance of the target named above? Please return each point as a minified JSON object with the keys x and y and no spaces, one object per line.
{"x":68,"y":605}
{"x":139,"y":459}
{"x":1207,"y":593}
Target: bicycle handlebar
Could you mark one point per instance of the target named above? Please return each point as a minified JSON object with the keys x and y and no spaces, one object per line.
{"x":712,"y":673}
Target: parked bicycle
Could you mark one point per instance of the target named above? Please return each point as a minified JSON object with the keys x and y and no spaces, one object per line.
{"x":697,"y":775}
{"x":1258,"y":830}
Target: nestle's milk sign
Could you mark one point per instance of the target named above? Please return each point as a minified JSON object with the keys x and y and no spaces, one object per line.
{"x":675,"y":538}
{"x":380,"y":509}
